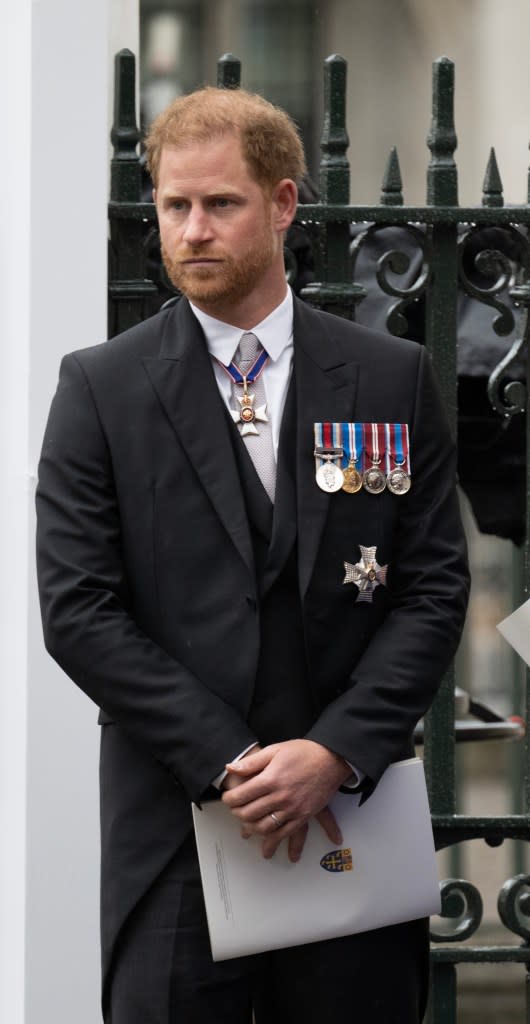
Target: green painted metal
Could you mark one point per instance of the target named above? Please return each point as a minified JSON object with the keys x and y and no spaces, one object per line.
{"x":492,"y":187}
{"x":320,"y":214}
{"x":229,"y":72}
{"x":392,"y":187}
{"x":480,"y":955}
{"x":443,"y":996}
{"x":128,"y":286}
{"x":440,"y":334}
{"x":125,"y":179}
{"x":436,"y":228}
{"x":442,"y":188}
{"x":334,"y":289}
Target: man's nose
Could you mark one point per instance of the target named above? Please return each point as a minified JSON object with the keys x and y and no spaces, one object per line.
{"x":198,"y":227}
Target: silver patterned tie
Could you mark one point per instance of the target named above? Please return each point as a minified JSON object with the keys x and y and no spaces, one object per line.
{"x":259,"y":444}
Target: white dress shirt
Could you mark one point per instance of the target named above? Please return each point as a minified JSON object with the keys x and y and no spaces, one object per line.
{"x":275,"y":334}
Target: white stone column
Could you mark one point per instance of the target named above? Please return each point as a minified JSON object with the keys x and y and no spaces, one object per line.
{"x":53,"y":195}
{"x":14,"y":330}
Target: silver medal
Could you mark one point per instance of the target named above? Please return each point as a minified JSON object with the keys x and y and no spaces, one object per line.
{"x":329,"y":477}
{"x":398,"y":481}
{"x":374,"y":480}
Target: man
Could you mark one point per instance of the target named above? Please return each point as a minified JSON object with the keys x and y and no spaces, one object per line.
{"x":192,"y":580}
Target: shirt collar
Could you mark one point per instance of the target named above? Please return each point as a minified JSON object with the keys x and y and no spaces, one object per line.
{"x":275,"y":332}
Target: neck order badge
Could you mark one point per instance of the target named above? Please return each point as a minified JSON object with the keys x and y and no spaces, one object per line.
{"x":243,"y":374}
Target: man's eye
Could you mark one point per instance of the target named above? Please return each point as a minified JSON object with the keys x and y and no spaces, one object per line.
{"x":222,"y":202}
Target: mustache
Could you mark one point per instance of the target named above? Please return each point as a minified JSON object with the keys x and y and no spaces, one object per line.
{"x":183,"y":255}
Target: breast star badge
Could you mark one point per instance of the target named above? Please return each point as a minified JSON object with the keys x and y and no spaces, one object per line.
{"x":366,"y":574}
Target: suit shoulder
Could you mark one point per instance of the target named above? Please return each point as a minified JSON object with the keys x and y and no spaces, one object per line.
{"x":141,"y":340}
{"x":377,"y":341}
{"x":368,"y":341}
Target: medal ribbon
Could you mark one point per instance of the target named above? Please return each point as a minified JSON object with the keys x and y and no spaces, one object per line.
{"x":255,"y":371}
{"x":374,"y":441}
{"x":328,"y":436}
{"x":398,"y":446}
{"x":328,"y":440}
{"x":356,"y":444}
{"x":385,"y":444}
{"x":352,"y":442}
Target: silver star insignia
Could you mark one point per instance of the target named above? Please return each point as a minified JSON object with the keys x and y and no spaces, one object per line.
{"x":259,"y":414}
{"x":366,"y":574}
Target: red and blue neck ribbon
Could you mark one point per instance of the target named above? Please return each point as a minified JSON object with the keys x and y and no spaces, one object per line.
{"x":254,"y":372}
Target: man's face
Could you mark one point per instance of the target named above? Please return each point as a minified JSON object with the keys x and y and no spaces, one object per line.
{"x":219,"y":243}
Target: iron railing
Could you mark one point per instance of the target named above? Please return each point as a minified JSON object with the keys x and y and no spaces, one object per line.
{"x":441,"y":232}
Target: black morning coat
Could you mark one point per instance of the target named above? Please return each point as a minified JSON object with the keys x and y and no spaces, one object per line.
{"x":148,"y":590}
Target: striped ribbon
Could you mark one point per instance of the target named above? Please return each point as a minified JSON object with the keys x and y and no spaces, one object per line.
{"x":398,"y":447}
{"x":385,"y":444}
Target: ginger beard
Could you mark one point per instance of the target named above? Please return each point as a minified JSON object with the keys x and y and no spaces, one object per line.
{"x":230,"y":280}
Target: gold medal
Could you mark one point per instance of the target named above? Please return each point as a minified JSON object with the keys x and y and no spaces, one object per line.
{"x":353,"y":480}
{"x":398,"y":481}
{"x":374,"y":480}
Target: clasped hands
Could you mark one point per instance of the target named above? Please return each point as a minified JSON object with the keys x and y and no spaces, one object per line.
{"x":293,"y":781}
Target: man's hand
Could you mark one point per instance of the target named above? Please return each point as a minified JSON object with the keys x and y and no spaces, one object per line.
{"x":292,"y":780}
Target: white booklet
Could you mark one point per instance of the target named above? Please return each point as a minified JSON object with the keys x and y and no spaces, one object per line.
{"x":516,"y":630}
{"x":385,"y":871}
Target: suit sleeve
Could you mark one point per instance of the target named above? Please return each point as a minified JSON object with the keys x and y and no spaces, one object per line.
{"x":396,"y":678}
{"x":88,"y":628}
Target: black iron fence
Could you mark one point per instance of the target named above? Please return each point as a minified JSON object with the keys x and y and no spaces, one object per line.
{"x":425,"y":263}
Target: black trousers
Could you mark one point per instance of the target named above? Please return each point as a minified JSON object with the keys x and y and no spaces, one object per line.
{"x":164,"y":974}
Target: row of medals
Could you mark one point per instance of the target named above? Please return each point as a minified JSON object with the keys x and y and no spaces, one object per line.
{"x":331,"y":478}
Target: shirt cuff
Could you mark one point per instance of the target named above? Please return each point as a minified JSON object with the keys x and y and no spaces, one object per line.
{"x":217,"y":783}
{"x":356,"y":777}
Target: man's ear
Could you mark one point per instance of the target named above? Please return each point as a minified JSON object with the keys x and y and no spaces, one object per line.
{"x":284,"y":201}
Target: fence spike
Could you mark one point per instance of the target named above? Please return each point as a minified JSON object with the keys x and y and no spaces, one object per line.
{"x":334,"y":166}
{"x":392,"y":187}
{"x":492,"y":187}
{"x":442,"y":177}
{"x":125,"y":181}
{"x":228,"y":72}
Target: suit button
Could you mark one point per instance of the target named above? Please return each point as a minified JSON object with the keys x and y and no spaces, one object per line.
{"x":251,"y":602}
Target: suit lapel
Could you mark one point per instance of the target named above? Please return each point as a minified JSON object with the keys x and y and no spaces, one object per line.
{"x":183,"y":379}
{"x":326,"y":385}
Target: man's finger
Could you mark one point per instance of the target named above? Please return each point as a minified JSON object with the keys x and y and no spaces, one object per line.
{"x":255,"y":810}
{"x":296,"y":843}
{"x":248,"y":791}
{"x":253,"y":762}
{"x":327,"y":820}
{"x":269,"y":845}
